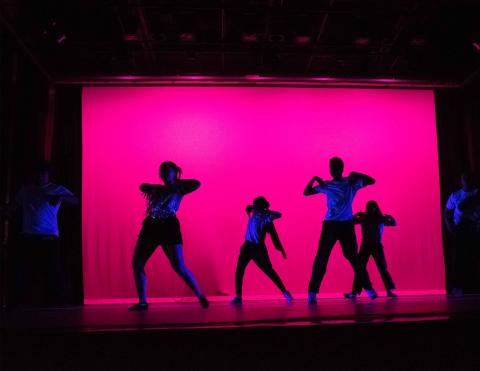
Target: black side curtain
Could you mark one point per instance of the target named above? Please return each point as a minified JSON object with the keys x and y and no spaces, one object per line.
{"x":458,"y":135}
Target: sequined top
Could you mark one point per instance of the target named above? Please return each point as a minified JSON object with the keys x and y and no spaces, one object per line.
{"x":162,"y":203}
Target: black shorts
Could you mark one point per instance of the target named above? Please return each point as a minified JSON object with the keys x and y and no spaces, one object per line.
{"x":161,"y":231}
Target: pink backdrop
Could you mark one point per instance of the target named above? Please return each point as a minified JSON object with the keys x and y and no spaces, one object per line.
{"x":241,"y":142}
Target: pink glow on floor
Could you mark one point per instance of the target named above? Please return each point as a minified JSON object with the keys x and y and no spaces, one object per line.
{"x":241,"y":142}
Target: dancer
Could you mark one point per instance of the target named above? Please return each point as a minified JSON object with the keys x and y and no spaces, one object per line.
{"x":459,"y":216}
{"x":372,"y":222}
{"x":260,"y":222}
{"x":338,"y":224}
{"x":161,"y":227}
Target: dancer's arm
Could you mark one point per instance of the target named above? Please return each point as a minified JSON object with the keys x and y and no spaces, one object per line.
{"x":310,"y":189}
{"x":68,"y":199}
{"x":249,"y":210}
{"x":469,"y":203}
{"x":146,"y":188}
{"x":274,"y":215}
{"x":389,"y":220}
{"x":366,"y":180}
{"x":276,"y":240}
{"x":357,"y":218}
{"x":186,"y":186}
{"x":448,"y":218}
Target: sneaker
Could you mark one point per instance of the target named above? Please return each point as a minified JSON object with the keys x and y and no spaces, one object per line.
{"x":288,"y":297}
{"x":372,"y":294}
{"x":139,"y":306}
{"x":391,"y":294}
{"x":458,"y":293}
{"x":203,"y":301}
{"x":312,"y":298}
{"x":236,"y":301}
{"x":350,"y":295}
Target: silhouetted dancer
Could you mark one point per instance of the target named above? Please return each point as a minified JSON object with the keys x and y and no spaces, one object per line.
{"x":38,"y":256}
{"x":460,"y":216}
{"x":338,"y":224}
{"x":260,"y":222}
{"x":372,"y":222}
{"x":161,"y":227}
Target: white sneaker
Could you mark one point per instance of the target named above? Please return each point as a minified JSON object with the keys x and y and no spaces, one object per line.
{"x":312,"y":297}
{"x":288,"y":297}
{"x":372,"y":294}
{"x":350,"y":295}
{"x":458,"y":293}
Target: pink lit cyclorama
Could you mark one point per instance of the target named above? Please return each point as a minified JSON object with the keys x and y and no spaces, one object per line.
{"x":241,"y":142}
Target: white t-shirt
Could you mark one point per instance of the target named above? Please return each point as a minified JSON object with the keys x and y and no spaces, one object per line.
{"x":39,"y":216}
{"x":257,"y":226}
{"x":456,"y":199}
{"x":340,"y":194}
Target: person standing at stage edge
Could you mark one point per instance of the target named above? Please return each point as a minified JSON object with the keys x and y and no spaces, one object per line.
{"x":38,"y":256}
{"x":461,"y":216}
{"x":338,"y":225}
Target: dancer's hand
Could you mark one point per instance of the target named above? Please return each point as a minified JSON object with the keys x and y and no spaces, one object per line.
{"x":319,"y":180}
{"x":284,"y":254}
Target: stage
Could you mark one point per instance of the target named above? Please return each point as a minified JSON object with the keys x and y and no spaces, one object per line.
{"x":189,"y":315}
{"x":410,"y":332}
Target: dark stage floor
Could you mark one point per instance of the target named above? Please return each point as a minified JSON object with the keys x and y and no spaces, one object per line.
{"x":251,"y":313}
{"x":408,"y":333}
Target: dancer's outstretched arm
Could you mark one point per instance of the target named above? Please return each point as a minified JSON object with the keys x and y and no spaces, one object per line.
{"x":353,"y":177}
{"x":389,"y":220}
{"x":274,"y":214}
{"x":147,"y":188}
{"x":448,"y":218}
{"x":357,"y":218}
{"x":276,"y":240}
{"x":186,"y":186}
{"x":310,"y":189}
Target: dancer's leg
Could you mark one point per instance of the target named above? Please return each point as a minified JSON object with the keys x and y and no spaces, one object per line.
{"x":174,"y":254}
{"x":379,"y":257}
{"x":363,"y":256}
{"x":348,"y":241}
{"x":143,"y":251}
{"x":262,"y":260}
{"x":325,"y":246}
{"x":243,"y":260}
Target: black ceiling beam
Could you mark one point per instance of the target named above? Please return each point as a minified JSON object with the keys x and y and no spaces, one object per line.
{"x":33,"y":58}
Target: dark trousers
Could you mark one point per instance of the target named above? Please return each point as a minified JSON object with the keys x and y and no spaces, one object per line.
{"x":38,"y":271}
{"x":465,"y":257}
{"x":375,"y":250}
{"x":344,"y":232}
{"x":259,"y":254}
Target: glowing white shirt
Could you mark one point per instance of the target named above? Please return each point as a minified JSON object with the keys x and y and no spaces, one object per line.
{"x":340,"y":194}
{"x":456,"y":199}
{"x":257,"y":226}
{"x":39,"y":216}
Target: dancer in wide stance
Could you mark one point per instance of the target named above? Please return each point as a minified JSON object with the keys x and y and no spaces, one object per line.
{"x":338,"y":224}
{"x":161,"y":227}
{"x":260,"y":222}
{"x":372,"y":222}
